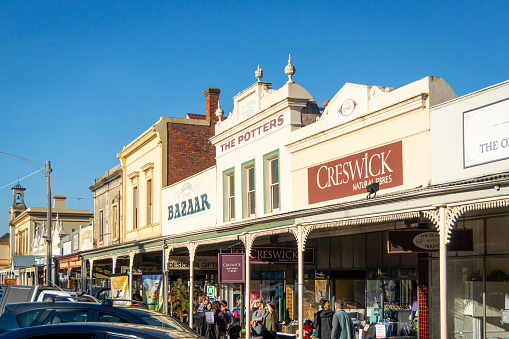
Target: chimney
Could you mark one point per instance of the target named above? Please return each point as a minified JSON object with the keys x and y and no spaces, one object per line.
{"x":211,"y":104}
{"x":59,"y":201}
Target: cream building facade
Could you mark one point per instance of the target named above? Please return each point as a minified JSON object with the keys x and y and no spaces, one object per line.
{"x":143,"y":164}
{"x":29,"y":228}
{"x":367,"y":134}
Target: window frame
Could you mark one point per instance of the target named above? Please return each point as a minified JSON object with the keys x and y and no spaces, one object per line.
{"x":150,"y":201}
{"x":114,"y":220}
{"x":101,"y":225}
{"x":267,"y":185}
{"x":228,"y":210}
{"x":246,"y":199}
{"x":135,"y":194}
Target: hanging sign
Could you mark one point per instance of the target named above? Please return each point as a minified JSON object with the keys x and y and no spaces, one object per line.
{"x":153,"y":291}
{"x":425,"y":241}
{"x":232,"y":268}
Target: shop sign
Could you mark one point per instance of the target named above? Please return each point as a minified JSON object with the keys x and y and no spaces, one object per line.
{"x":189,"y":205}
{"x":201,"y":263}
{"x":350,"y":175}
{"x":87,"y":238}
{"x":232,"y":268}
{"x":425,"y":241}
{"x":485,"y":137}
{"x":10,"y":281}
{"x":40,"y":261}
{"x":120,"y":288}
{"x":252,"y":134}
{"x":280,"y":255}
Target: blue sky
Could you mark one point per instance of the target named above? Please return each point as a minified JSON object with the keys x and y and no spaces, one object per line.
{"x":81,"y":79}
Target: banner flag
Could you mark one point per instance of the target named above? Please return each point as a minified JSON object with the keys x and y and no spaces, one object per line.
{"x":153,"y":291}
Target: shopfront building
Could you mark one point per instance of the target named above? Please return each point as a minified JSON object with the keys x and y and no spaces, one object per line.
{"x":368,"y":136}
{"x":475,"y":163}
{"x":69,"y":272}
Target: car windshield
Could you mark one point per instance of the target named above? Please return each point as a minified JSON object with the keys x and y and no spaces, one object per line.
{"x":165,"y":321}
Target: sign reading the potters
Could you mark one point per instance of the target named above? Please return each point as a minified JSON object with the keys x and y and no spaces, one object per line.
{"x":232,"y":268}
{"x":350,"y":175}
{"x":425,"y":241}
{"x":253,"y":133}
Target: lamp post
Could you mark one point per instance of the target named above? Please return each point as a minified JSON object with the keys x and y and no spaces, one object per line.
{"x":47,"y":174}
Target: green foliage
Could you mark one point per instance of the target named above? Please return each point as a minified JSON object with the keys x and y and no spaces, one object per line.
{"x":180,"y":298}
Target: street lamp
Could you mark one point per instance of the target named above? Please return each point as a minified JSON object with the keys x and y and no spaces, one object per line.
{"x":47,"y":174}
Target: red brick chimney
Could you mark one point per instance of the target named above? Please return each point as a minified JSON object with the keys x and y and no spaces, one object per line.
{"x":211,"y":103}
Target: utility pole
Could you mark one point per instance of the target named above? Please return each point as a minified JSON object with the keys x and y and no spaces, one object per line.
{"x":49,"y":276}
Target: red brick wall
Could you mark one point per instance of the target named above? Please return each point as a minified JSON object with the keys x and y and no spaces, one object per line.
{"x":189,"y":149}
{"x":211,"y":103}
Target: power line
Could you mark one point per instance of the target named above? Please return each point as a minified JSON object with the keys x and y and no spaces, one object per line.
{"x":18,"y":180}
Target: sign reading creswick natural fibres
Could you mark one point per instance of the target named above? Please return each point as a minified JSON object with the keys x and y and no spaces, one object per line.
{"x":350,"y":175}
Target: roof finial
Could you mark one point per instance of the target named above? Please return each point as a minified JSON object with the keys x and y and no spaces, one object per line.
{"x":289,"y":69}
{"x":219,"y":111}
{"x":259,"y":73}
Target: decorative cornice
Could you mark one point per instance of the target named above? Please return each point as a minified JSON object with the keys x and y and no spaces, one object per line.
{"x":248,"y":240}
{"x":107,"y":180}
{"x":147,"y":166}
{"x":366,"y":220}
{"x":368,"y":119}
{"x":453,"y":213}
{"x":258,"y":117}
{"x":191,"y":246}
{"x":133,"y":175}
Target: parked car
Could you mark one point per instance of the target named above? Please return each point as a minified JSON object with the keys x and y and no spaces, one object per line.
{"x":20,"y":293}
{"x":21,"y":315}
{"x":101,"y":293}
{"x":97,"y":331}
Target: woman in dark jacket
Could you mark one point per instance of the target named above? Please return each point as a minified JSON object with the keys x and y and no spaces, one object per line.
{"x":269,"y":322}
{"x":323,"y":321}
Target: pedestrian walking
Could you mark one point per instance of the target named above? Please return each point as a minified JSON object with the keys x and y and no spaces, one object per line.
{"x":269,"y":322}
{"x":323,"y":321}
{"x":342,"y":325}
{"x":258,"y":313}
